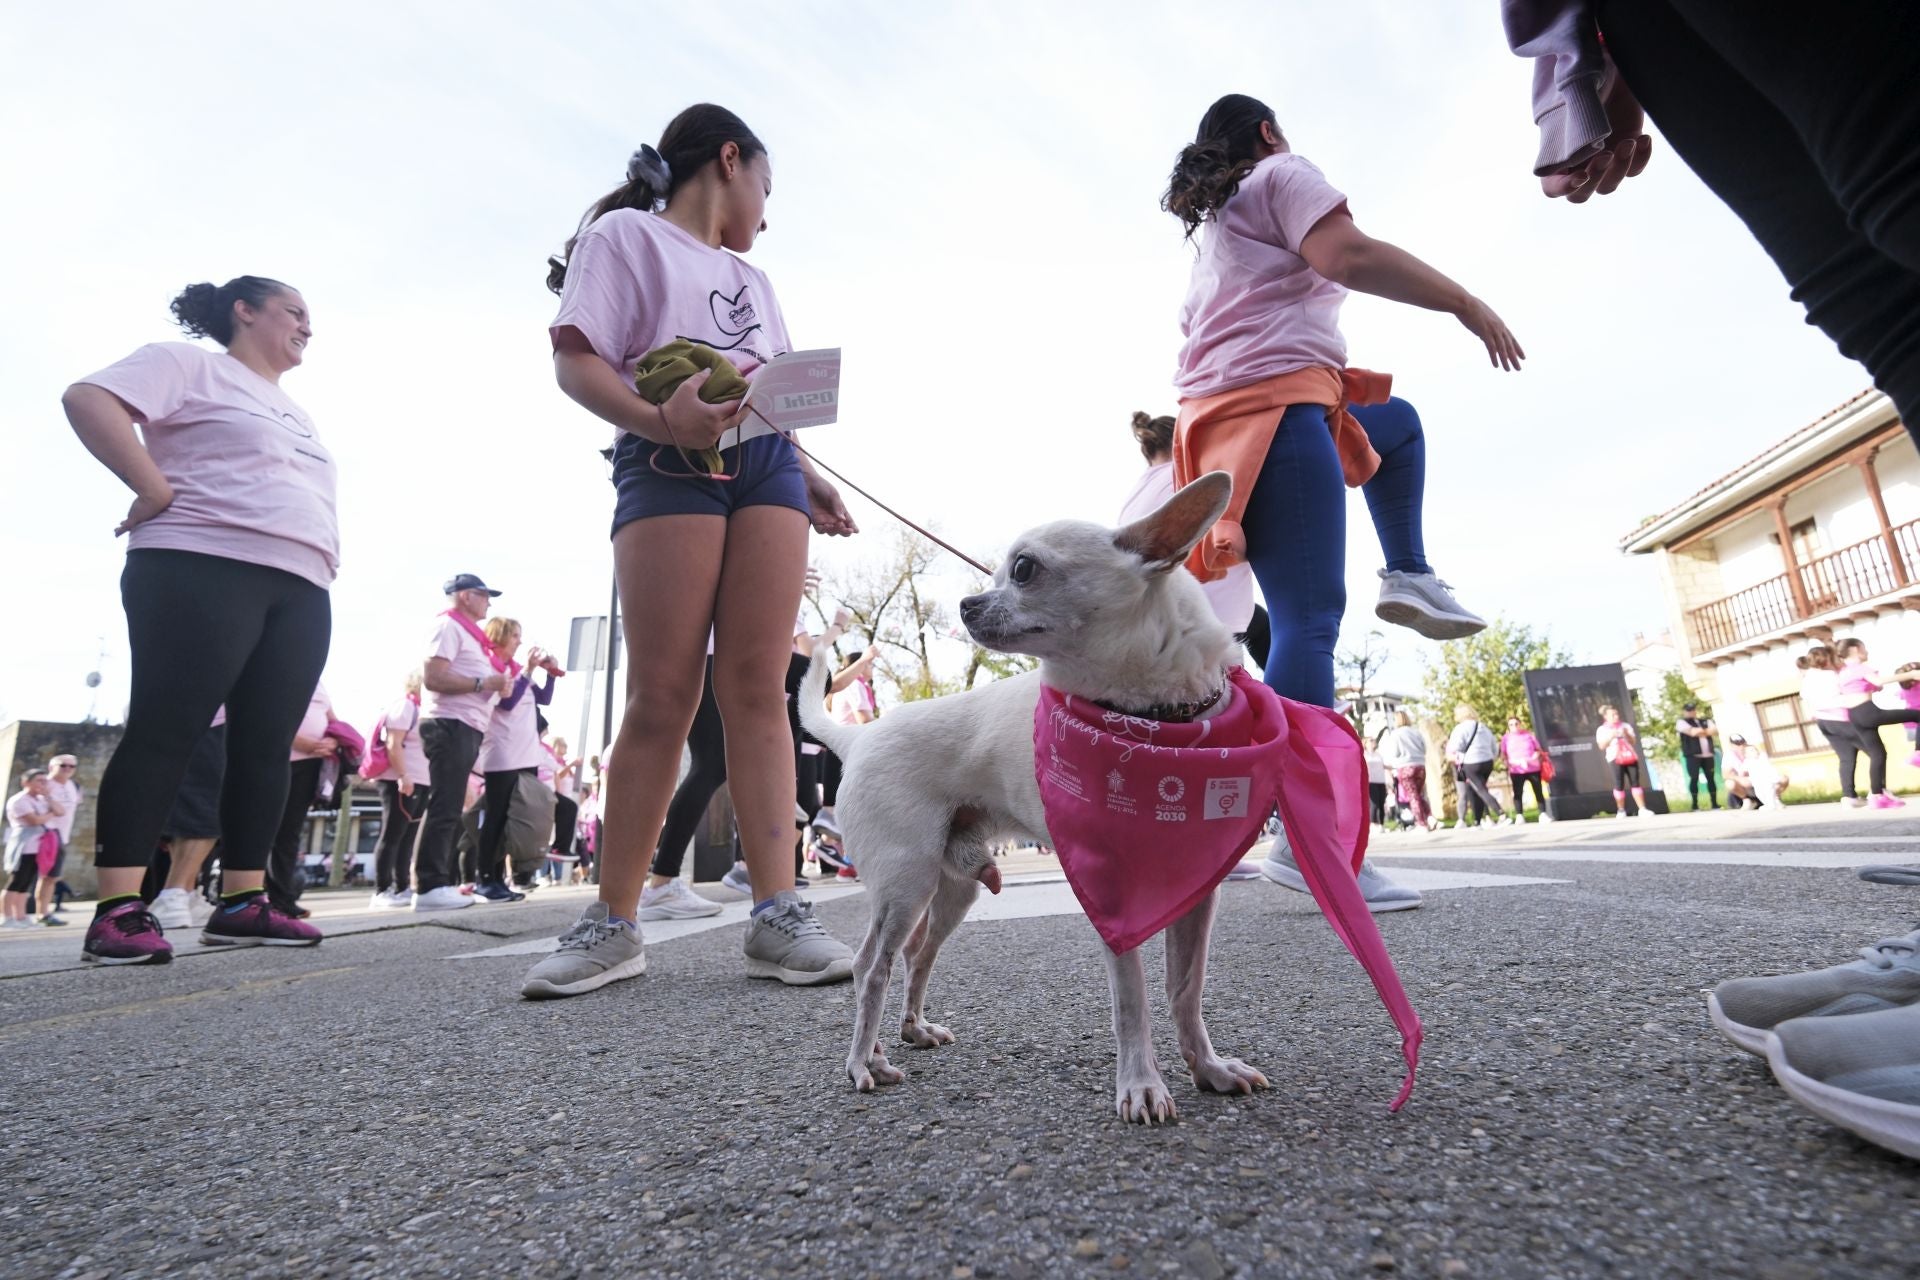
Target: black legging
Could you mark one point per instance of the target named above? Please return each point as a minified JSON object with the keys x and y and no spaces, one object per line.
{"x":707,"y":745}
{"x":1847,"y":745}
{"x":1700,"y":768}
{"x":1474,"y":792}
{"x":1377,"y":802}
{"x":286,"y":876}
{"x":495,"y":806}
{"x":1806,"y":130}
{"x":566,"y":816}
{"x":1520,"y":781}
{"x":204,"y":630}
{"x":399,"y":827}
{"x":1867,"y":720}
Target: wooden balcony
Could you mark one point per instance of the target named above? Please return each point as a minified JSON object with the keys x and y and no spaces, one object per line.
{"x":1849,"y":576}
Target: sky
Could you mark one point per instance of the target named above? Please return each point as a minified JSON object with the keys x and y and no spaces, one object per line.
{"x":965,"y":202}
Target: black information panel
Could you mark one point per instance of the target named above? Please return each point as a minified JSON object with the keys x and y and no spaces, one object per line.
{"x":1566,"y":703}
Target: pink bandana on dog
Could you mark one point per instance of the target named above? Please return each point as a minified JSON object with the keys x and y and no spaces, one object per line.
{"x":1149,"y":816}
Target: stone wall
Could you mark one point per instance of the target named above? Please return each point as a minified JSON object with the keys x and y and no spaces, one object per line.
{"x":28,"y":744}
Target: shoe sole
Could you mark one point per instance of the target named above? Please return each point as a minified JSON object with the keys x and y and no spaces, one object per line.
{"x":838,"y":971}
{"x":161,"y":957}
{"x":1416,"y":619}
{"x":541,"y":989}
{"x":221,"y":940}
{"x":1893,"y":1125}
{"x":1752,"y":1039}
{"x":464,"y":902}
{"x":654,"y":915}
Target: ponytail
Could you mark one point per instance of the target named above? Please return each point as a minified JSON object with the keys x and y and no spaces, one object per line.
{"x":1153,"y":435}
{"x":1224,"y":150}
{"x":206,"y":310}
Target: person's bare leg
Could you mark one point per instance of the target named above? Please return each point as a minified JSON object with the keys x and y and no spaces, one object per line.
{"x":45,"y":894}
{"x":667,"y":568}
{"x":188,"y":857}
{"x":760,"y":586}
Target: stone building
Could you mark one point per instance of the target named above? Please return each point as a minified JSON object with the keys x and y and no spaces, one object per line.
{"x":27,"y":744}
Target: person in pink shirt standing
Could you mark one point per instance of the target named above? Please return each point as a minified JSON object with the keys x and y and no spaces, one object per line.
{"x":462,"y":679}
{"x":404,"y":792}
{"x":32,"y":813}
{"x":510,"y":749}
{"x":232,"y":544}
{"x":1524,"y":758}
{"x":1621,"y":746}
{"x":655,"y":262}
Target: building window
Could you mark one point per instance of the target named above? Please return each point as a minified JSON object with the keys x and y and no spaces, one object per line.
{"x":1787,"y":729}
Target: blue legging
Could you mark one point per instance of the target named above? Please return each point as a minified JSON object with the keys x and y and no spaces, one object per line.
{"x":1296,"y":527}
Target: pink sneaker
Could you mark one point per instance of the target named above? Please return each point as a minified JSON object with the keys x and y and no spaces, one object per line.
{"x":257,"y":923}
{"x":127,"y":934}
{"x":1884,"y":800}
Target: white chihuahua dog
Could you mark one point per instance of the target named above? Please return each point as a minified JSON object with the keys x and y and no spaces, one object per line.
{"x":929,"y":789}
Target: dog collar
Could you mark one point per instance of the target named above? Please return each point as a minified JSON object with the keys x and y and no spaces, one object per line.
{"x":1171,"y":712}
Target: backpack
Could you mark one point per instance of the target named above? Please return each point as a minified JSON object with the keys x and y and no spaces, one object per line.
{"x":377,"y":762}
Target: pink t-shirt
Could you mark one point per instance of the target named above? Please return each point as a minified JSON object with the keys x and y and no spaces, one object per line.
{"x":635,"y":282}
{"x":512,"y":737}
{"x":1520,"y":749}
{"x":251,"y":480}
{"x":314,"y":723}
{"x":1231,"y":596}
{"x":67,"y":796}
{"x":25,"y":804}
{"x":404,"y":717}
{"x":851,"y":701}
{"x":465,"y":660}
{"x":1858,"y":678}
{"x":1254,"y":308}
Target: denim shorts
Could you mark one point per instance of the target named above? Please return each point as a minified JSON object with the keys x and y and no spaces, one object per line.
{"x":765,"y":470}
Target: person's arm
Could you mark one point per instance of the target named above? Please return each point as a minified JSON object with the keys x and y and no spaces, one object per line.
{"x":1348,"y":256}
{"x":542,"y":693}
{"x":105,"y":427}
{"x":596,"y":386}
{"x":508,"y":701}
{"x":439,"y":677}
{"x":31,"y":817}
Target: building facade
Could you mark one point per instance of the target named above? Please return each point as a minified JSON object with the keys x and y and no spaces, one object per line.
{"x":1815,"y":540}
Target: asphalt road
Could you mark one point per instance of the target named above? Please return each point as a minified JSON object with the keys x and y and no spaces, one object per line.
{"x":374,"y":1108}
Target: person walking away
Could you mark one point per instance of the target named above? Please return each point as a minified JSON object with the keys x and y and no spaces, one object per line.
{"x":286,"y":872}
{"x":1526,"y":762}
{"x":1697,"y":734}
{"x":405,"y":790}
{"x":1405,"y":753}
{"x":1621,"y":747}
{"x":1471,"y":749}
{"x":31,"y":814}
{"x":232,"y":546}
{"x":509,"y":751}
{"x":460,"y":682}
{"x":1857,"y":682}
{"x":692,"y":552}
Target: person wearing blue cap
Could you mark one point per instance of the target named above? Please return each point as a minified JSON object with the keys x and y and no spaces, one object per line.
{"x":462,"y":679}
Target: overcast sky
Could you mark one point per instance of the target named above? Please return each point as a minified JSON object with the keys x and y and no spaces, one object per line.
{"x":964,"y":200}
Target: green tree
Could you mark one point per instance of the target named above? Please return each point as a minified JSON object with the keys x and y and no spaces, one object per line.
{"x":1487,"y":672}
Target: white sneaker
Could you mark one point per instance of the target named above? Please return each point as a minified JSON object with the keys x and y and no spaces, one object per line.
{"x":445,"y":898}
{"x":1425,"y":604}
{"x":388,"y":900}
{"x":1381,"y":894}
{"x":402,"y":899}
{"x":675,"y":901}
{"x":173,"y":909}
{"x":736,"y":880}
{"x":1547,"y":817}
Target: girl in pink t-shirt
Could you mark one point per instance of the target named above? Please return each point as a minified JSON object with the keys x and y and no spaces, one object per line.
{"x":231,"y":547}
{"x":1858,"y":680}
{"x":655,"y":262}
{"x":1277,"y":253}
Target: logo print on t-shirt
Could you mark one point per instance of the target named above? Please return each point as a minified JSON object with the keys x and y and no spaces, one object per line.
{"x":734,"y":317}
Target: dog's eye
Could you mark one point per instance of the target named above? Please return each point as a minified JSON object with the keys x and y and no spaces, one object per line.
{"x":1022,"y":571}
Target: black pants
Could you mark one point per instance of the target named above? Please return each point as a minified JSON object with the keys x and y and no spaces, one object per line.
{"x":1520,"y":781}
{"x":286,"y":876}
{"x":1377,"y":802}
{"x":566,"y":816}
{"x":1700,"y":769}
{"x":1809,"y":129}
{"x":1847,"y":745}
{"x":1259,"y":637}
{"x":451,"y":747}
{"x":1471,"y":783}
{"x":204,"y":631}
{"x":496,"y":805}
{"x":1867,"y":721}
{"x":706,"y":772}
{"x":399,"y":829}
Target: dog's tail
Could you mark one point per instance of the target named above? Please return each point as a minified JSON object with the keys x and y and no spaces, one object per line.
{"x":839,"y":738}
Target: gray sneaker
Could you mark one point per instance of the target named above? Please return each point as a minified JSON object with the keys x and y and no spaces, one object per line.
{"x":787,"y":942}
{"x":1860,"y":1072}
{"x":1425,"y":604}
{"x":1886,"y":976}
{"x":1381,"y":893}
{"x":593,"y":953}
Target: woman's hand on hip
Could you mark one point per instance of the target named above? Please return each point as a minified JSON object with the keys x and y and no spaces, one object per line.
{"x":145,"y":507}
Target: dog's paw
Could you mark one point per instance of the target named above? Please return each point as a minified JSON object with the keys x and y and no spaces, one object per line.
{"x":922,"y":1034}
{"x":1225,"y":1075}
{"x":876,"y":1070}
{"x":1145,"y":1101}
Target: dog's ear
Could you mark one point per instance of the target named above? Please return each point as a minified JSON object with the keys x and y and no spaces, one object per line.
{"x":1165,"y":537}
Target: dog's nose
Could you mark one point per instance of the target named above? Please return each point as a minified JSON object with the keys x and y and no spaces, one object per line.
{"x":970,"y":608}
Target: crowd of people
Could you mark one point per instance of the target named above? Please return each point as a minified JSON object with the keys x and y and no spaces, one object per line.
{"x":233,"y":540}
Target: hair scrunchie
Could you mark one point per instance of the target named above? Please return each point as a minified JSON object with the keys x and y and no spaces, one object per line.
{"x":650,"y":165}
